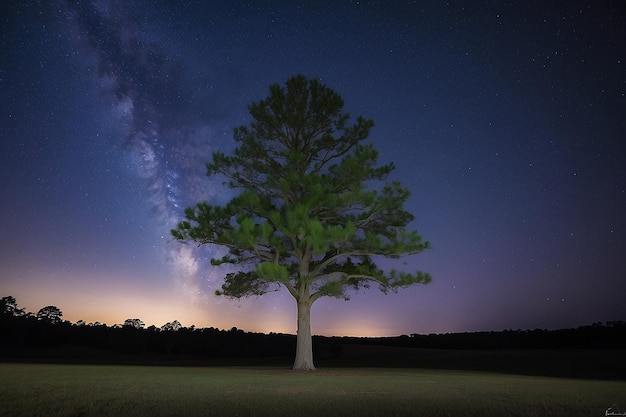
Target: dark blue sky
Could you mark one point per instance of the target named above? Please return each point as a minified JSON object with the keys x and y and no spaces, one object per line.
{"x":506,"y":122}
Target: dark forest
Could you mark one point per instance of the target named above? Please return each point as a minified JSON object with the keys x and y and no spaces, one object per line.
{"x":592,"y":350}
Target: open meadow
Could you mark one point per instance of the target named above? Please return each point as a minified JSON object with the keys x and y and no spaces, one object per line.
{"x":131,"y":390}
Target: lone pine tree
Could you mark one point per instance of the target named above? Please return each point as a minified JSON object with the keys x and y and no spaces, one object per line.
{"x":304,"y":218}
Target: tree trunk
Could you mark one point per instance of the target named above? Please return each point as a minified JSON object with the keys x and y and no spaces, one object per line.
{"x":304,"y":343}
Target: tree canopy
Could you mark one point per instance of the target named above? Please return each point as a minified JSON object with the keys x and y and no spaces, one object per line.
{"x":50,"y":314}
{"x":8,"y":307}
{"x":172,"y":326}
{"x":134,"y":323}
{"x":305,"y":218}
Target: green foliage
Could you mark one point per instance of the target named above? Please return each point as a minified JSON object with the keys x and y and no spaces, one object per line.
{"x":303,"y":218}
{"x":272,"y":272}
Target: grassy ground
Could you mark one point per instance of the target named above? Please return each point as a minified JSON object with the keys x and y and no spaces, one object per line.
{"x":111,"y":390}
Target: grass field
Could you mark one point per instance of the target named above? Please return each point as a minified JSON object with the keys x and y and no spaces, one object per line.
{"x":112,"y":390}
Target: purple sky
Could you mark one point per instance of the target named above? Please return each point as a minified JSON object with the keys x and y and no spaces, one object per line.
{"x":506,"y":122}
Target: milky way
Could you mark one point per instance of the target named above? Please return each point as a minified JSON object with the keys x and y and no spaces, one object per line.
{"x":167,"y":143}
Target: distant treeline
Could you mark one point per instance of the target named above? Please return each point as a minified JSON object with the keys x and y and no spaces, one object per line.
{"x":24,"y":334}
{"x":609,"y":335}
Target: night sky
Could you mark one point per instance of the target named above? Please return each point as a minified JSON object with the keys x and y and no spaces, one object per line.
{"x":506,"y":121}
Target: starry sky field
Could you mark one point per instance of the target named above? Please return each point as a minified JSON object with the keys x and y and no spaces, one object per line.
{"x":506,"y":120}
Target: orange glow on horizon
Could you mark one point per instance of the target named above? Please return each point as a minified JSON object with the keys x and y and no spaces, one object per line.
{"x":113,"y":299}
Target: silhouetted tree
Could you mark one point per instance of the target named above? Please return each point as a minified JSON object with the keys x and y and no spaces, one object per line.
{"x":8,"y":306}
{"x":304,"y":219}
{"x":134,"y":323}
{"x":50,"y":314}
{"x":172,"y":326}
